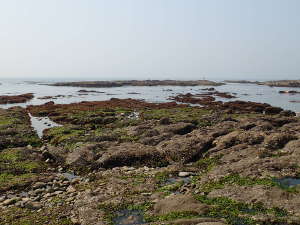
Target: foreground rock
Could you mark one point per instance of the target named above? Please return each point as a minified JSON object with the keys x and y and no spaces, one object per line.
{"x":15,"y":129}
{"x":133,"y":162}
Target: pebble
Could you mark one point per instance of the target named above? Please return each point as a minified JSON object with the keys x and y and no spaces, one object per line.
{"x":48,"y":195}
{"x":38,"y":191}
{"x":71,"y":189}
{"x":43,"y":148}
{"x":75,"y":181}
{"x":125,"y":168}
{"x":25,"y":199}
{"x":2,"y":198}
{"x":58,"y":192}
{"x":146,"y":193}
{"x":70,"y":199}
{"x":33,"y":205}
{"x":10,"y":201}
{"x":38,"y":185}
{"x":184,"y":174}
{"x":37,"y":198}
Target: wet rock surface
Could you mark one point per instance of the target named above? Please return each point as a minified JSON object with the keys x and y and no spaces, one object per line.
{"x":133,"y":162}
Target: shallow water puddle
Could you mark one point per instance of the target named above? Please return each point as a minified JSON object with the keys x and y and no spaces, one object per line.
{"x":174,"y":180}
{"x":23,"y":194}
{"x":40,"y":124}
{"x":129,"y":217}
{"x":134,"y":115}
{"x":70,"y":176}
{"x":288,"y":181}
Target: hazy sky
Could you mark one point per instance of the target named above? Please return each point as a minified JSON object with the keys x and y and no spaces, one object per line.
{"x":125,"y":39}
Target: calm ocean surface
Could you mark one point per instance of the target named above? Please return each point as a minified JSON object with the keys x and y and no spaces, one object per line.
{"x":246,"y":92}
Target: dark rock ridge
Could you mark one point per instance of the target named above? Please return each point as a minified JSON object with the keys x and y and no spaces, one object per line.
{"x":90,"y":91}
{"x":233,"y":106}
{"x":55,"y":97}
{"x":243,"y":82}
{"x":8,"y":99}
{"x":138,"y":83}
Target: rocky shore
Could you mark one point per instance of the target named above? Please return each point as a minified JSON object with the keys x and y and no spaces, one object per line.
{"x":137,"y":83}
{"x":132,"y":162}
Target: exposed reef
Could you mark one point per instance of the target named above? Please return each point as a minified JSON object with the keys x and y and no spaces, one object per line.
{"x":133,"y":162}
{"x":9,"y":99}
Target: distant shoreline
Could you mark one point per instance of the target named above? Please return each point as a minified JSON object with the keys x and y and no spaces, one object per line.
{"x":138,"y":83}
{"x":272,"y":83}
{"x":122,"y":83}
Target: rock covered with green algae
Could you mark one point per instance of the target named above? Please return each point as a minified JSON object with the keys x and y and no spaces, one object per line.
{"x":126,"y":159}
{"x":15,"y":129}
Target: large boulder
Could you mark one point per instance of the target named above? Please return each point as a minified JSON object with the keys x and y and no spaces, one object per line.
{"x":186,"y":148}
{"x":278,"y":140}
{"x":131,"y":154}
{"x":239,"y":137}
{"x":82,"y":156}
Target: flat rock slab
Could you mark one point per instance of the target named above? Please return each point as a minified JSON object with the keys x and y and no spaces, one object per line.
{"x":179,"y":203}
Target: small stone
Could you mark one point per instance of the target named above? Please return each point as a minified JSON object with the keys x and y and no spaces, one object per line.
{"x":58,"y":192}
{"x":37,"y":198}
{"x":48,"y":195}
{"x":25,"y":199}
{"x":10,"y":201}
{"x":184,"y":174}
{"x":2,"y":198}
{"x":146,"y":194}
{"x":38,"y":185}
{"x":74,"y":220}
{"x":71,"y":189}
{"x":125,"y":168}
{"x":38,"y":191}
{"x":66,"y":182}
{"x":43,"y":148}
{"x":73,"y":194}
{"x":75,"y":181}
{"x":33,"y":205}
{"x":70,"y":199}
{"x":146,"y":168}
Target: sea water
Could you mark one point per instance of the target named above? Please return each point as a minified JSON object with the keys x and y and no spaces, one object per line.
{"x":156,"y":94}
